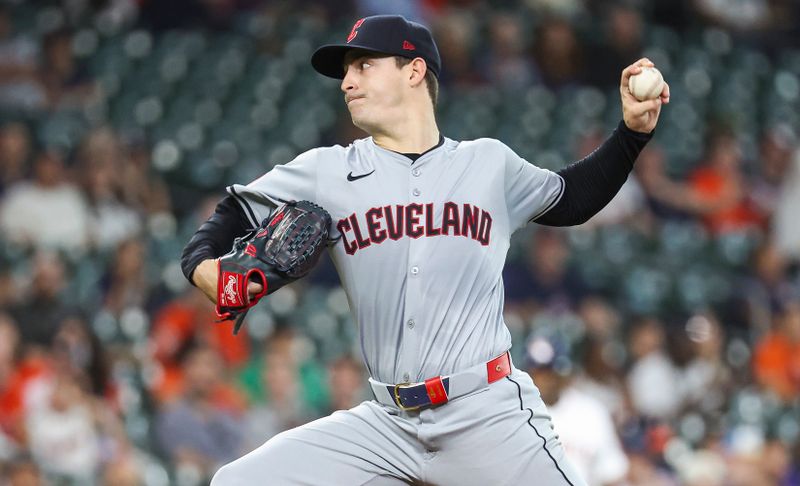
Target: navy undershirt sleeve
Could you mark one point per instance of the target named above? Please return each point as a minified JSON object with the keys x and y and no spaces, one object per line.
{"x":591,"y":183}
{"x":215,"y":237}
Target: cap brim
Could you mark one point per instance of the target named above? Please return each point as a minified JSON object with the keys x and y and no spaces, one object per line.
{"x":328,"y":60}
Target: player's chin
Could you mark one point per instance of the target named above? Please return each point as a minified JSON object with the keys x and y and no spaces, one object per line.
{"x":361,"y":121}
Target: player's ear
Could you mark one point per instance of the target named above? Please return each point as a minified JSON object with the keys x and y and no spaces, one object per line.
{"x":418,"y":70}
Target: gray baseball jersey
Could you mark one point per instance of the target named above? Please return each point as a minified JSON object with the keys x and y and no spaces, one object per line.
{"x":419,"y":245}
{"x":420,"y":248}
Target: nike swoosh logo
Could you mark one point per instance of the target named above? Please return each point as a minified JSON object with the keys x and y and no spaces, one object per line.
{"x":351,"y":177}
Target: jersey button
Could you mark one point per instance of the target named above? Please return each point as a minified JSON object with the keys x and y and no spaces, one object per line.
{"x":411,"y":323}
{"x":416,"y":192}
{"x":406,"y":377}
{"x":414,"y":270}
{"x":416,"y":172}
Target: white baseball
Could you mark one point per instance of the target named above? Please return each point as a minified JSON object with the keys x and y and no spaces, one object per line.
{"x":647,"y":84}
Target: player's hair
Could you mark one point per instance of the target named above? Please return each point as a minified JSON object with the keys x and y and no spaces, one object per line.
{"x":430,"y":79}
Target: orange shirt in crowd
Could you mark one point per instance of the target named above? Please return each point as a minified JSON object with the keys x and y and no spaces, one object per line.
{"x":777,"y":365}
{"x":710,"y":184}
{"x":177,"y":322}
{"x":12,"y":395}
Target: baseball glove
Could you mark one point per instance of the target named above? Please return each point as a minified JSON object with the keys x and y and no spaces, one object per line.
{"x":283,"y":249}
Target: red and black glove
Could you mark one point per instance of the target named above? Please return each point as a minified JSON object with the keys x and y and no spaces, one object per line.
{"x":283,"y":249}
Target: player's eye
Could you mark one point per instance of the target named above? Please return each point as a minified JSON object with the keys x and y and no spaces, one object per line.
{"x":365,"y":64}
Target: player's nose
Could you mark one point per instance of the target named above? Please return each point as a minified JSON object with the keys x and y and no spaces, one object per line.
{"x":348,"y":81}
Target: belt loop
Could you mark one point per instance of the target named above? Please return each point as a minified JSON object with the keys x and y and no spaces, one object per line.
{"x":436,"y":391}
{"x":498,"y":368}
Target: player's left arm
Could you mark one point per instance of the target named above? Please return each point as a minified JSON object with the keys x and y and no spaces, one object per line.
{"x":591,"y":183}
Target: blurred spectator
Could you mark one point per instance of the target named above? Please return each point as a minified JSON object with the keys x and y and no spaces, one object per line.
{"x":653,"y":380}
{"x":125,"y":284}
{"x":190,"y":318}
{"x":748,"y":15}
{"x":600,"y":376}
{"x":765,"y":287}
{"x":287,"y":341}
{"x":15,"y":151}
{"x":42,"y":309}
{"x":101,"y":168}
{"x":777,"y":462}
{"x":410,"y":9}
{"x":47,"y":212}
{"x":707,"y":380}
{"x":569,"y":9}
{"x":558,"y":54}
{"x":598,"y":455}
{"x":776,"y":148}
{"x":283,"y":403}
{"x":142,"y":188}
{"x":505,"y":64}
{"x":177,"y":14}
{"x":202,"y":429}
{"x":346,"y":381}
{"x":455,"y":33}
{"x":23,"y":471}
{"x":545,"y":279}
{"x":12,"y":384}
{"x":123,"y":473}
{"x":621,"y":45}
{"x":776,"y":361}
{"x":19,"y":86}
{"x":645,"y":442}
{"x":77,"y":350}
{"x":650,"y":171}
{"x":61,"y":431}
{"x":66,"y":82}
{"x":714,"y":192}
{"x":702,"y":468}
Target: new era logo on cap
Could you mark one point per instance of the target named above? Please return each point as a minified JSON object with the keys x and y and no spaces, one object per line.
{"x":385,"y":34}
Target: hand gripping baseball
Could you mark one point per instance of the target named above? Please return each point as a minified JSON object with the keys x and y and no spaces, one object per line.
{"x":640,"y":116}
{"x":283,"y":249}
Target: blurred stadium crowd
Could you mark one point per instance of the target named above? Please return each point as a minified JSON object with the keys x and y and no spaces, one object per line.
{"x":674,"y":314}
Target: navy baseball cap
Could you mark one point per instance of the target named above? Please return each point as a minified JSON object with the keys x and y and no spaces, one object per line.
{"x":544,"y":352}
{"x":386,"y":34}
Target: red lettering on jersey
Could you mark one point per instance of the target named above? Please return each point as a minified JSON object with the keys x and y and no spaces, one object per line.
{"x":394,"y":222}
{"x":450,"y":220}
{"x":471,"y":220}
{"x":362,"y":243}
{"x":407,"y":221}
{"x":354,"y":32}
{"x":485,"y":228}
{"x":376,"y":233}
{"x":430,"y":229}
{"x":344,"y":226}
{"x":413,"y":228}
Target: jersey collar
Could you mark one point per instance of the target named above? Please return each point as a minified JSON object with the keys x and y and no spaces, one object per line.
{"x":409,"y":157}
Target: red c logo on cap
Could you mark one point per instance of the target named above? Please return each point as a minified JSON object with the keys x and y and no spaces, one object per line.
{"x":354,"y":32}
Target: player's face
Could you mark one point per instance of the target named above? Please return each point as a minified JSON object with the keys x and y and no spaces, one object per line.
{"x":373,"y":89}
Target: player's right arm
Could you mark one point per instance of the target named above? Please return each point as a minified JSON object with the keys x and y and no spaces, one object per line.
{"x":242,"y":210}
{"x":212,"y":240}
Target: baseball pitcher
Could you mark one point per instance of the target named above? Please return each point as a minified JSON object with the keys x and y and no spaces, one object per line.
{"x":419,"y":229}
